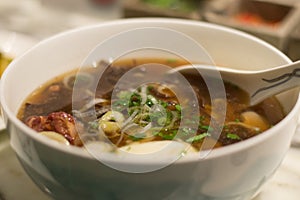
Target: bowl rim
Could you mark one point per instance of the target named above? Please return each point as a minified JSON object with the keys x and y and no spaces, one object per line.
{"x":81,"y":152}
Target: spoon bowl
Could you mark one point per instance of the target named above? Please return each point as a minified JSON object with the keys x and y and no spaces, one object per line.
{"x":259,"y":84}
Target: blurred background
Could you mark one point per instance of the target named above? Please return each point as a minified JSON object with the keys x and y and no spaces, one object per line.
{"x":276,"y":21}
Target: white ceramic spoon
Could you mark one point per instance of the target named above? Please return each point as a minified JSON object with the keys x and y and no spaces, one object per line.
{"x":259,"y":84}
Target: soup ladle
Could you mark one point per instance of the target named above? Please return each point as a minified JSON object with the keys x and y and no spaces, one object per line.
{"x":259,"y":84}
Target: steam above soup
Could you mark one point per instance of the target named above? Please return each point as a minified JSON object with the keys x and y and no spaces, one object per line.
{"x":150,"y":112}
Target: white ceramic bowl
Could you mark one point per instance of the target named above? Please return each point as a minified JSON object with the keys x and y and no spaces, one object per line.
{"x":65,"y":172}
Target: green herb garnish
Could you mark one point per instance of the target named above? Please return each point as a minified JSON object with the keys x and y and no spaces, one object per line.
{"x":178,"y":107}
{"x":233,"y":136}
{"x":168,"y":136}
{"x":197,"y":138}
{"x":135,"y":100}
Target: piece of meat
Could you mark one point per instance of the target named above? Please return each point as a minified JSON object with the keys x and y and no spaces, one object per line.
{"x":36,"y":122}
{"x":60,"y":122}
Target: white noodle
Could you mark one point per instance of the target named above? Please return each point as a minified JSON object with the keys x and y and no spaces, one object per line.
{"x":143,"y":94}
{"x":92,"y":103}
{"x":130,"y":118}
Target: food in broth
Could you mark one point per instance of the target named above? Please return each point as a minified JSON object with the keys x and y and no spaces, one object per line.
{"x":4,"y":62}
{"x":151,"y":112}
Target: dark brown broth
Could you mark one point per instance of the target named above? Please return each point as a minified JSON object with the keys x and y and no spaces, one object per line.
{"x":54,"y":97}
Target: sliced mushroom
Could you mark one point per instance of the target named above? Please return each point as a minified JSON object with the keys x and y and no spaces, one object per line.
{"x":251,"y":118}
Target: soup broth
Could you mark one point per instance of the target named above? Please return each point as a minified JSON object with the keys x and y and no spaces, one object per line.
{"x":150,"y":112}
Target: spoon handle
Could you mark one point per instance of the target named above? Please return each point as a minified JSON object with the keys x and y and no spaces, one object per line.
{"x":270,"y":82}
{"x":259,"y":84}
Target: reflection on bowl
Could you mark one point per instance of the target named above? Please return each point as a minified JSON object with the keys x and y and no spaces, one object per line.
{"x":234,"y":172}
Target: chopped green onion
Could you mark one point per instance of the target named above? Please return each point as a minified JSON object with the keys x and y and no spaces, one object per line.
{"x":163,"y":104}
{"x":168,"y":136}
{"x":161,"y":121}
{"x":206,"y":127}
{"x":237,"y":120}
{"x":197,"y":138}
{"x":178,"y":107}
{"x":149,"y":103}
{"x":149,"y":88}
{"x":233,"y":136}
{"x":202,"y":118}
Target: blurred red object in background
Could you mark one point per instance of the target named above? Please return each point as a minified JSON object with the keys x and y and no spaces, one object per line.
{"x":255,"y":19}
